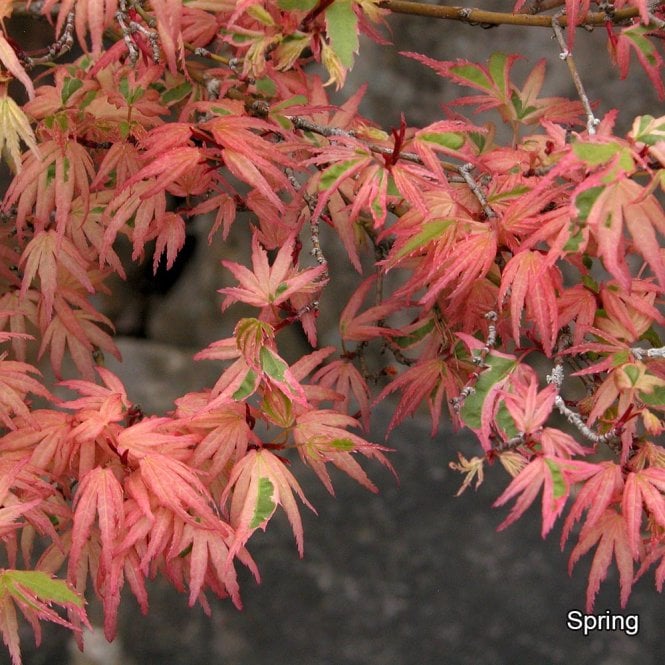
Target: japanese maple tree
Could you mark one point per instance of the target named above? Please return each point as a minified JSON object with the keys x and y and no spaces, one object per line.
{"x":479,"y":260}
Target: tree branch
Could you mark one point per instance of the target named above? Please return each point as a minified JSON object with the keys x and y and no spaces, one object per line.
{"x":592,"y":122}
{"x":488,"y":18}
{"x":465,"y":172}
{"x":640,"y":354}
{"x":556,"y":379}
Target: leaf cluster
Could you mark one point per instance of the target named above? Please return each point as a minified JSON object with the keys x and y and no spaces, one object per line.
{"x":478,"y":260}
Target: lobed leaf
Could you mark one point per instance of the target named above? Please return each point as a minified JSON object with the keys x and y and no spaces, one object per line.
{"x":259,"y":483}
{"x":609,"y":535}
{"x":342,"y":29}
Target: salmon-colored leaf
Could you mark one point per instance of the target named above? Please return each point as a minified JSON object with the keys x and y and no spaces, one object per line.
{"x":609,"y":535}
{"x":98,"y":498}
{"x":642,"y":489}
{"x":34,"y":592}
{"x":547,"y":472}
{"x":595,"y":496}
{"x":363,"y":326}
{"x":166,"y":169}
{"x":322,"y":437}
{"x":10,"y":60}
{"x":259,"y":483}
{"x":269,"y":285}
{"x":532,"y":284}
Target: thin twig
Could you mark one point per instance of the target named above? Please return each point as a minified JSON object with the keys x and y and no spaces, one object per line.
{"x":465,"y":172}
{"x":479,"y":360}
{"x":556,"y":379}
{"x":592,"y":122}
{"x":314,"y":223}
{"x":575,"y":419}
{"x":151,"y":35}
{"x":129,"y":27}
{"x":399,"y":356}
{"x":207,"y":53}
{"x":261,"y":108}
{"x":316,"y":250}
{"x":150,"y":20}
{"x":512,"y":443}
{"x":648,"y":353}
{"x":58,"y":48}
{"x":306,"y":125}
{"x":557,"y":375}
{"x":122,"y":18}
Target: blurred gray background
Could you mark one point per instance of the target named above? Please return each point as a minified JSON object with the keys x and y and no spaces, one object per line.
{"x":412,"y":575}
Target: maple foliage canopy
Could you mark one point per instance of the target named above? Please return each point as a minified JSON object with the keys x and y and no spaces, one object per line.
{"x":545,"y":248}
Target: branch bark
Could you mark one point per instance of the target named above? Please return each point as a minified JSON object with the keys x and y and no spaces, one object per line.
{"x":488,"y":18}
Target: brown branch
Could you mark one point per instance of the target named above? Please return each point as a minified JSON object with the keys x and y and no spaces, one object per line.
{"x":487,"y":18}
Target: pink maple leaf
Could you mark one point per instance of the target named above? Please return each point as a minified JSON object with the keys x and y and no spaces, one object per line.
{"x":270,"y":285}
